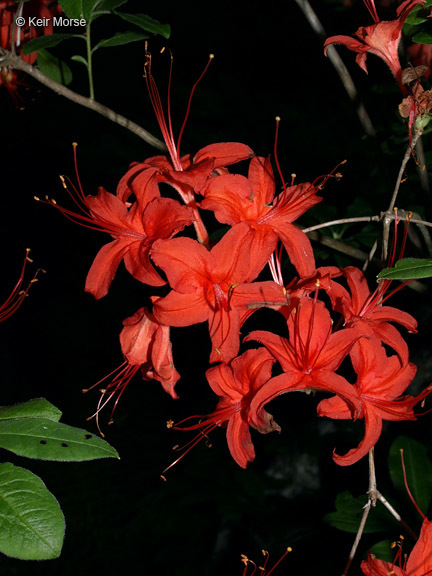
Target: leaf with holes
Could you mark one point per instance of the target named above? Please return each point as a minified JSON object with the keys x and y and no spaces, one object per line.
{"x":408,"y":269}
{"x":32,"y":524}
{"x":44,"y":439}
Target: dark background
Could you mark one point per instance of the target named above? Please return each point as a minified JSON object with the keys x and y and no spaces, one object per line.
{"x":120,"y":515}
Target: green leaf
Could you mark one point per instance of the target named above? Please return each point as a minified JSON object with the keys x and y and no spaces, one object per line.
{"x":37,"y":408}
{"x":383,"y":550}
{"x":54,"y":68}
{"x":72,"y":8}
{"x":423,"y":38}
{"x":418,"y":468}
{"x":106,"y":7}
{"x":32,"y":525}
{"x":47,"y":440}
{"x":45,"y":42}
{"x":121,"y":38}
{"x":408,"y":269}
{"x":349,"y":511}
{"x":88,"y":7}
{"x":78,"y":58}
{"x":146,"y":23}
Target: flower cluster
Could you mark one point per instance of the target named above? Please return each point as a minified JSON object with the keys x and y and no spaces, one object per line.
{"x":330,"y":313}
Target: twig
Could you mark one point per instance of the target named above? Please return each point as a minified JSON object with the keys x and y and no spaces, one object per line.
{"x":389,"y":212}
{"x":13,"y":61}
{"x":339,"y":66}
{"x":380,"y":218}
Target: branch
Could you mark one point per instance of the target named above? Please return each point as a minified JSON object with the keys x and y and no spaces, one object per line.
{"x":389,"y":212}
{"x":17,"y":63}
{"x":339,"y":66}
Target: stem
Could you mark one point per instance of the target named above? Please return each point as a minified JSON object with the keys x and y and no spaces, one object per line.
{"x":8,"y":59}
{"x":89,"y":62}
{"x":389,"y":212}
{"x":339,"y":66}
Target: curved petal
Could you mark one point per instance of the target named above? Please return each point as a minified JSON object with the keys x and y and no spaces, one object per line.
{"x":224,"y":153}
{"x":177,"y":309}
{"x":373,"y":427}
{"x":104,"y":267}
{"x":224,"y":328}
{"x":298,"y":246}
{"x":239,"y":440}
{"x":420,"y":560}
{"x":185,"y":274}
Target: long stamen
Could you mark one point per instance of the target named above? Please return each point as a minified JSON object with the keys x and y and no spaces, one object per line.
{"x":211,"y":56}
{"x":17,"y":295}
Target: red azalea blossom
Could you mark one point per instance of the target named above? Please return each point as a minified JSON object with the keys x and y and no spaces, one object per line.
{"x":210,"y":286}
{"x":419,"y":562}
{"x":186,"y":174}
{"x":381,"y":39}
{"x":236,"y":385}
{"x":381,"y":381}
{"x":134,"y":227}
{"x":235,"y":199}
{"x":364,"y":311}
{"x":309,"y":357}
{"x":146,"y":347}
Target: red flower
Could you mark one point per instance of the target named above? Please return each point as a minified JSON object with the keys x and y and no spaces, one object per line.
{"x":186,"y":174}
{"x":309,"y":357}
{"x":419,"y":562}
{"x":381,"y":39}
{"x":236,"y":385}
{"x":134,"y":227}
{"x":235,"y":199}
{"x":380,"y":382}
{"x":210,"y":286}
{"x":364,"y":311}
{"x":146,"y":346}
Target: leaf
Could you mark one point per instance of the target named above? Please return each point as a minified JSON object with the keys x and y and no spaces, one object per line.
{"x":418,"y":468}
{"x":54,"y":68}
{"x":88,"y":7}
{"x":146,"y":23}
{"x":72,"y":8}
{"x":107,"y":7}
{"x":32,"y":524}
{"x":383,"y":550}
{"x":78,"y":58}
{"x":423,"y":38}
{"x":45,"y":42}
{"x":349,"y":511}
{"x":408,"y":269}
{"x":47,"y":440}
{"x":121,"y":38}
{"x":38,"y":408}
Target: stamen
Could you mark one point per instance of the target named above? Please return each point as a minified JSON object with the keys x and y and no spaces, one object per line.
{"x":211,"y":57}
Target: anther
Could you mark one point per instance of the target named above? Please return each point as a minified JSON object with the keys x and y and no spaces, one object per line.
{"x":74,"y":144}
{"x":63,"y":182}
{"x":36,"y":198}
{"x":170,"y":424}
{"x":163,"y":478}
